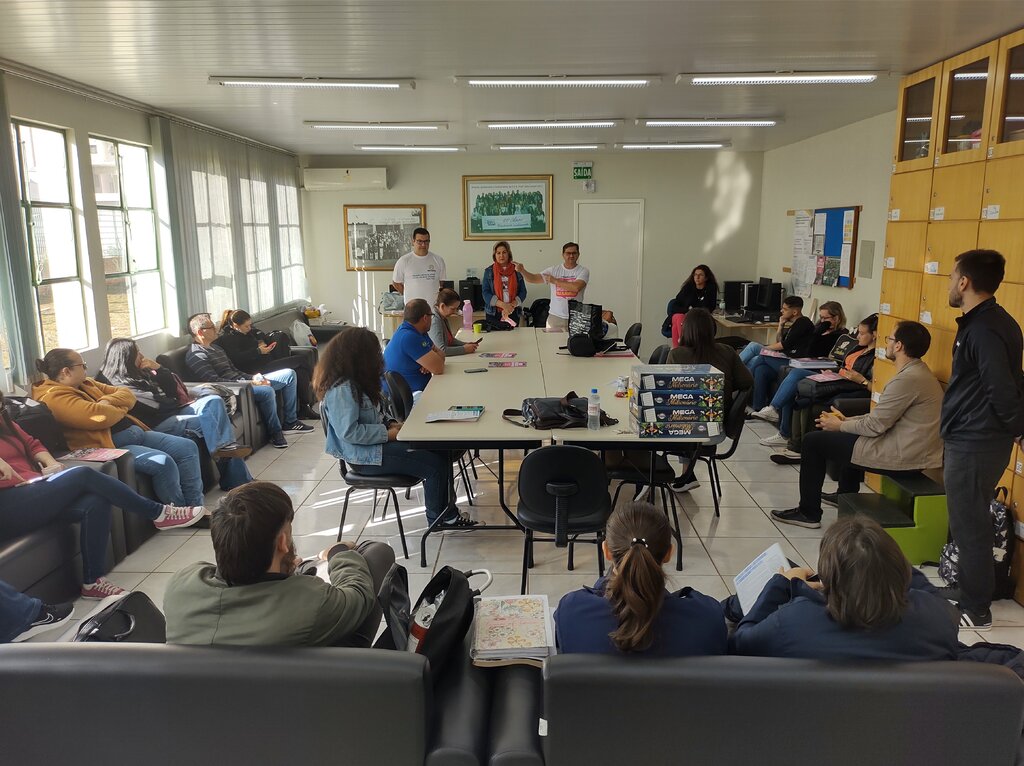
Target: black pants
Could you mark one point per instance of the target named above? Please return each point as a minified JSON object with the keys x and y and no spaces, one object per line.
{"x":303,"y":374}
{"x":379,"y":558}
{"x":818,"y":448}
{"x":970,"y":475}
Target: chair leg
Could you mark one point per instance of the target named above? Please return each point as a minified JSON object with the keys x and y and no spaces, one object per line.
{"x":408,"y":493}
{"x":344,"y":513}
{"x":527,"y":544}
{"x":600,"y":554}
{"x":615,"y":497}
{"x":679,"y":533}
{"x":472,"y":463}
{"x":373,"y":510}
{"x":398,"y":517}
{"x":716,"y":488}
{"x":569,"y":561}
{"x":718,"y":478}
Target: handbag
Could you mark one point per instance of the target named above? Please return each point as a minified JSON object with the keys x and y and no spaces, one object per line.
{"x":820,"y":391}
{"x":548,"y":413}
{"x":1002,"y":549}
{"x":36,"y":419}
{"x":131,"y":619}
{"x":585,"y":319}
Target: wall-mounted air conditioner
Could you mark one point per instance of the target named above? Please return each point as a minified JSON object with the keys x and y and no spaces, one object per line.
{"x":344,"y":179}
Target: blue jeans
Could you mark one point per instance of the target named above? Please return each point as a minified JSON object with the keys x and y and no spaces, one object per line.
{"x":79,"y":494}
{"x":171,"y":461}
{"x":750,"y":352}
{"x":785,"y":396}
{"x":765,"y":370}
{"x":428,"y":465}
{"x":266,"y":399}
{"x":207,"y":416}
{"x":17,"y":612}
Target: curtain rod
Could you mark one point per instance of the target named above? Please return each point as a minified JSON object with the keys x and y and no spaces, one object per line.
{"x":87,"y":91}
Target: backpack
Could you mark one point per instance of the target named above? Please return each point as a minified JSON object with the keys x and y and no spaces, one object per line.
{"x":35,"y":419}
{"x":1002,"y":549}
{"x":133,"y":618}
{"x":443,"y":635}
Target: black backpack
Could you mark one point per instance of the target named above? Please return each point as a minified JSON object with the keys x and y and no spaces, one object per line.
{"x":35,"y":419}
{"x":132,"y":619}
{"x":1002,"y":549}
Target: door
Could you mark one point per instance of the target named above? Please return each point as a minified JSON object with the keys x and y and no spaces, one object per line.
{"x":610,"y":234}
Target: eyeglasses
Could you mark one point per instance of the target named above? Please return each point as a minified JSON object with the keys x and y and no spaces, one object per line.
{"x":421,"y":241}
{"x":889,"y":338}
{"x":208,"y":327}
{"x":83,"y":365}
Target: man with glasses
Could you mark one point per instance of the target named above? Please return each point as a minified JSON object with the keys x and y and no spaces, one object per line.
{"x":418,"y":274}
{"x":900,"y":434}
{"x":210,"y":364}
{"x":568,"y":282}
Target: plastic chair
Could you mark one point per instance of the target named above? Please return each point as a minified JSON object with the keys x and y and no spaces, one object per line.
{"x":660,"y":354}
{"x":634,"y":467}
{"x":563,"y":491}
{"x":733,"y":426}
{"x":634,"y":331}
{"x":633,"y":344}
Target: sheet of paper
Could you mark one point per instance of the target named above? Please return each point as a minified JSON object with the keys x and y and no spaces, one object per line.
{"x":820,"y":222}
{"x":844,"y":260}
{"x":819,"y":244}
{"x":435,"y":417}
{"x":848,"y":226}
{"x":751,"y":581}
{"x":803,"y":269}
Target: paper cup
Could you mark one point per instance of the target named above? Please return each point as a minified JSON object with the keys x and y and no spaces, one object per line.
{"x":478,"y":327}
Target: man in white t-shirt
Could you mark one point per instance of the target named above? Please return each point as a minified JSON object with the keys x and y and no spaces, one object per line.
{"x":418,"y":274}
{"x":568,"y":282}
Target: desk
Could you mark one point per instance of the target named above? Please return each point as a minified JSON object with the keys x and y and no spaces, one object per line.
{"x":763,"y":333}
{"x":390,"y":320}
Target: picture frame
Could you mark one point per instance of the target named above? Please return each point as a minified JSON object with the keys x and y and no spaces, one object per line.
{"x":507,"y":207}
{"x":376,"y":236}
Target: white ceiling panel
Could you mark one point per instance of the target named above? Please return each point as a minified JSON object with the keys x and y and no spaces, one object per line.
{"x":162,"y":52}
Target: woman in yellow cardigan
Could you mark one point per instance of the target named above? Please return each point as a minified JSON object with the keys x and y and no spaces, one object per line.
{"x":96,"y":415}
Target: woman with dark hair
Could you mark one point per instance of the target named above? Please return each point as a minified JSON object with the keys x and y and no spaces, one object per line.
{"x":503,"y":289}
{"x":446,"y":305}
{"x":700,"y":290}
{"x":252,"y":351}
{"x":869,"y":605}
{"x":629,"y":611}
{"x":348,"y":382}
{"x":164,"y":404}
{"x":94,"y":414}
{"x":36,"y":490}
{"x":697,"y":346}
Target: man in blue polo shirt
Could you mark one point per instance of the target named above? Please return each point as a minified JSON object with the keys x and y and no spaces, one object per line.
{"x":410,"y":352}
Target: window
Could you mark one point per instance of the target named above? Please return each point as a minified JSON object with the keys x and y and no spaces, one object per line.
{"x":259,"y":271}
{"x":213,"y":231}
{"x":293,"y":273}
{"x":52,"y":236}
{"x":131,"y":261}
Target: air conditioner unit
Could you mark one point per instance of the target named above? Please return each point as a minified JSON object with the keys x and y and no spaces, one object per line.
{"x":344,"y":179}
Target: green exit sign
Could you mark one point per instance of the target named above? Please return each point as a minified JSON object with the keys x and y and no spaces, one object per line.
{"x":582,"y":171}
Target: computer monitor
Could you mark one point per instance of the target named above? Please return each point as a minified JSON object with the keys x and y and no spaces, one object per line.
{"x":449,"y":283}
{"x":764,"y":294}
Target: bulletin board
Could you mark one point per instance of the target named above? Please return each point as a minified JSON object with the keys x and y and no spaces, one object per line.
{"x":824,"y":247}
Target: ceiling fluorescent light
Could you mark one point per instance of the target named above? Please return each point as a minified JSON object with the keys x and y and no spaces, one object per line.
{"x":546,"y":147}
{"x":709,"y":122}
{"x":680,"y":145}
{"x":313,"y":82}
{"x":560,"y":81}
{"x":513,"y":124}
{"x":780,"y":78}
{"x":416,"y":126}
{"x":388,"y":149}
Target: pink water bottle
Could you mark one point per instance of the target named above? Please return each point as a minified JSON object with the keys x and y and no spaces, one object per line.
{"x":467,"y":315}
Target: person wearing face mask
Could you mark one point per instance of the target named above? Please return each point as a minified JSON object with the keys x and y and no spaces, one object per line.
{"x":446,"y":305}
{"x":253,"y":596}
{"x":504,"y":290}
{"x":700,"y":290}
{"x":568,"y":282}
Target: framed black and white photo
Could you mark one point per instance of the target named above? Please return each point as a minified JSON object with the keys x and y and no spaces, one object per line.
{"x":506,"y":207}
{"x":376,"y":236}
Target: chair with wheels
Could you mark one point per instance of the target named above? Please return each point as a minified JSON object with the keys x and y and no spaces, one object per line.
{"x":563,"y":491}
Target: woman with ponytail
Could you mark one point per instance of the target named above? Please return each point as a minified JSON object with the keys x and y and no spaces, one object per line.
{"x":629,"y":611}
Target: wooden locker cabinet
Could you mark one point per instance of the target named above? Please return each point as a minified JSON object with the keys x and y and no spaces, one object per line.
{"x":956,"y":192}
{"x":901,"y":294}
{"x":1008,"y":238}
{"x":905,"y":245}
{"x":935,"y":309}
{"x":1011,"y":297}
{"x":946,"y":240}
{"x":886,"y":326}
{"x":1004,"y":188}
{"x":910,"y":196}
{"x":965,"y":106}
{"x":882,"y":373}
{"x":940,"y":354}
{"x":915,"y":120}
{"x":998,"y":145}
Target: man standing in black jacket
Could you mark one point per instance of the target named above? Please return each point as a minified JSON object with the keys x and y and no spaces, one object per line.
{"x":982,"y":414}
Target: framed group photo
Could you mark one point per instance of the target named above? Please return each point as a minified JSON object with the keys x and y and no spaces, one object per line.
{"x":376,"y":236}
{"x":506,"y":207}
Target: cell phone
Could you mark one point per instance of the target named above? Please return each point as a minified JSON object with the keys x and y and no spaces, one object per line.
{"x":814,"y":578}
{"x":477,"y":369}
{"x":476,"y":341}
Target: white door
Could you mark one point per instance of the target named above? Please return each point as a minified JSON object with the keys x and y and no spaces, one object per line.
{"x":611,"y":238}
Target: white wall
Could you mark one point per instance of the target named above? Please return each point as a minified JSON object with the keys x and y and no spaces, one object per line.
{"x":699,"y":208}
{"x":848,"y":166}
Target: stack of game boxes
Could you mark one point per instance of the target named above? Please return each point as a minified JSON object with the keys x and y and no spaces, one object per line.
{"x":676,"y":401}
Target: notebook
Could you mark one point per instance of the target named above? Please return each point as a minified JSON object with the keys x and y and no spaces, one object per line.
{"x":512,"y":630}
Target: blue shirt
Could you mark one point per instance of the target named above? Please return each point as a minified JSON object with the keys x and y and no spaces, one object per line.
{"x":400,"y":355}
{"x":688,"y":624}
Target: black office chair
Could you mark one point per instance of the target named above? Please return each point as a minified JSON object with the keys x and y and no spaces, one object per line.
{"x":401,"y":405}
{"x":634,"y":331}
{"x":633,"y":344}
{"x":563,"y":491}
{"x":660,"y":354}
{"x":733,"y":427}
{"x":634,"y":467}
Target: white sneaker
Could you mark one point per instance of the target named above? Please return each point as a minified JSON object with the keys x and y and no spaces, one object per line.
{"x":775,"y":440}
{"x":768,"y":413}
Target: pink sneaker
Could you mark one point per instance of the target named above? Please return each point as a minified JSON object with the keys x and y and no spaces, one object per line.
{"x":101,"y":589}
{"x":179,"y":516}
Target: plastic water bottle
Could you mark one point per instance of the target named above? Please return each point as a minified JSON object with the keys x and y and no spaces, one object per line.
{"x":467,"y":315}
{"x":594,"y":410}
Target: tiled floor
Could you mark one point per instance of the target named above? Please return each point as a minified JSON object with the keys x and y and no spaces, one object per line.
{"x":714,"y":549}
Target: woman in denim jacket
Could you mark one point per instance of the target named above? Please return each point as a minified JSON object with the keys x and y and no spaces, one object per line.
{"x":347,"y":380}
